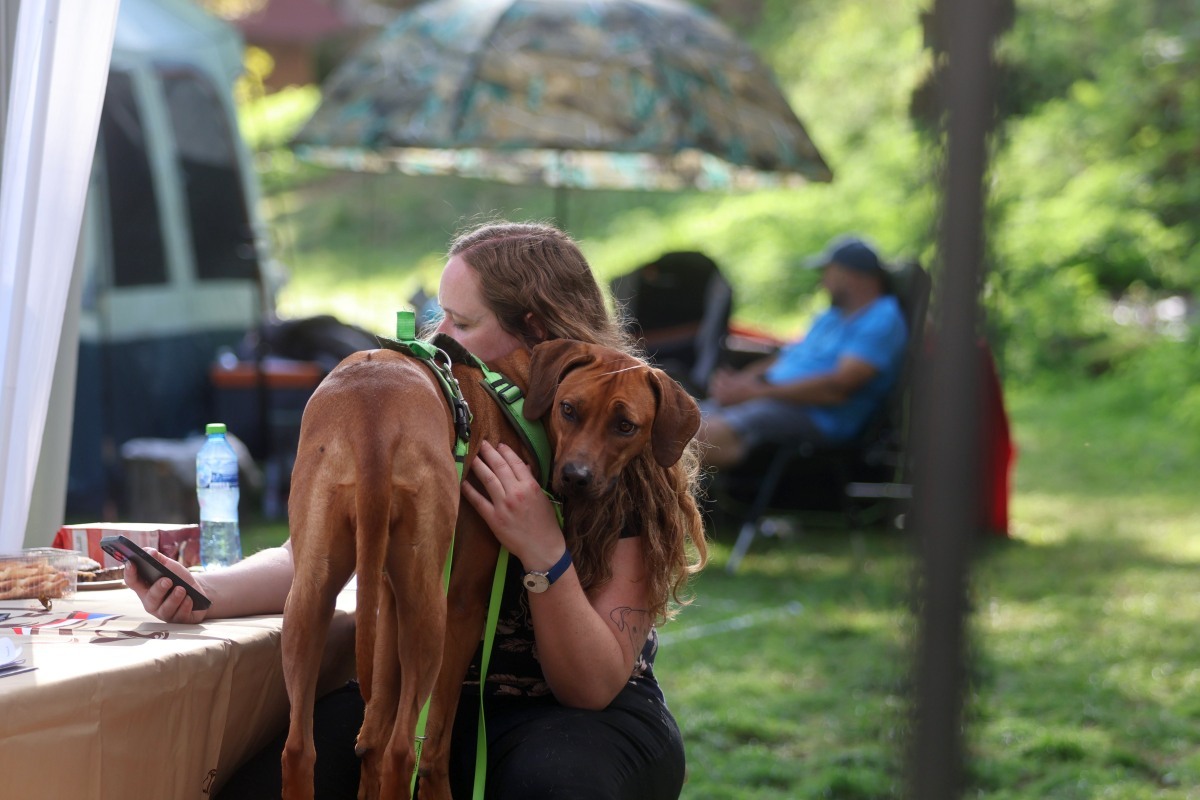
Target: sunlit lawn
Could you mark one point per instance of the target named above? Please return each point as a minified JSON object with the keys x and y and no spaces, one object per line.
{"x":1085,"y":664}
{"x":1088,"y":665}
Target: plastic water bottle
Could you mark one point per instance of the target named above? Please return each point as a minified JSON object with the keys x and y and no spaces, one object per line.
{"x":217,"y":491}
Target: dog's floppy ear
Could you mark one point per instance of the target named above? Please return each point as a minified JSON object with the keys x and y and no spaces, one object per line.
{"x":550,"y":362}
{"x":676,"y":421}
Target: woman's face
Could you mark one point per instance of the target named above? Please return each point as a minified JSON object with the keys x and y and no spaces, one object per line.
{"x":468,"y":320}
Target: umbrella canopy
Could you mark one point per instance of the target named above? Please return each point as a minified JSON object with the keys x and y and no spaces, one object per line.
{"x":649,"y":94}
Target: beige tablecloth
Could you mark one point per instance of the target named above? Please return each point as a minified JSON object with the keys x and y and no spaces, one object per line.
{"x":125,"y":706}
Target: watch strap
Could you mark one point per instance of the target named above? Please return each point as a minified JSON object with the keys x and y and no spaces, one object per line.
{"x":560,"y":567}
{"x":551,"y":575}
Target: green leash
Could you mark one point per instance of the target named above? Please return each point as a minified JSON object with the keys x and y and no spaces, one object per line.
{"x":512,"y":401}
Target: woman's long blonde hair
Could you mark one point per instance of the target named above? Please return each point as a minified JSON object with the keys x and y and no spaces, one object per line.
{"x":535,"y":268}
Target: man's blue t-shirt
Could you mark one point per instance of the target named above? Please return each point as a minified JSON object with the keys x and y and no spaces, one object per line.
{"x":876,"y":334}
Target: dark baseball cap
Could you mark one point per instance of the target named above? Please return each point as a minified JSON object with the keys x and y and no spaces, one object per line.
{"x":851,"y":252}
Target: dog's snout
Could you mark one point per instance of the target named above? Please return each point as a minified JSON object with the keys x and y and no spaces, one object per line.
{"x":576,"y":477}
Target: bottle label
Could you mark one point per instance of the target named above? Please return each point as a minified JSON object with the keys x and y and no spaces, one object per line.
{"x":209,"y":478}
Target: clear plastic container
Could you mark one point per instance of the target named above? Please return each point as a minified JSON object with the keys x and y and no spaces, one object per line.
{"x":38,"y":573}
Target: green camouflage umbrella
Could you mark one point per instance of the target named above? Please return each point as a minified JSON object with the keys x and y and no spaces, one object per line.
{"x":634,"y":94}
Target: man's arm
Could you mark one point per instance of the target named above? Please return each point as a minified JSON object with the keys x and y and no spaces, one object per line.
{"x":828,"y":388}
{"x":825,"y":389}
{"x":755,"y":370}
{"x":759,"y":367}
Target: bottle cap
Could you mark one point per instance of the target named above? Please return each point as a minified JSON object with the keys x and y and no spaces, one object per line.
{"x":406,"y":326}
{"x":214,"y":427}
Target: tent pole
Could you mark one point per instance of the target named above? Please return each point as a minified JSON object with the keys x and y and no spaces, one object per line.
{"x":948,"y":487}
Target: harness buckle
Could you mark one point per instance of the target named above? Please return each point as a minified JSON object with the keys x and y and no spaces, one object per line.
{"x":462,"y":418}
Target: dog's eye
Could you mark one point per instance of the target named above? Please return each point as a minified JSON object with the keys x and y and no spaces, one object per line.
{"x":626,"y":427}
{"x":568,"y":410}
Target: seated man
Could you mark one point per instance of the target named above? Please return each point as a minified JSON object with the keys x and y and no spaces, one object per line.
{"x":824,"y":387}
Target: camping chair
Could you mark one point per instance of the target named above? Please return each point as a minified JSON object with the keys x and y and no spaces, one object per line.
{"x":679,"y":306}
{"x":874,"y":466}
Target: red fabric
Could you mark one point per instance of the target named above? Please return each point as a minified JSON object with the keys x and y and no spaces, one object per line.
{"x":998,"y":449}
{"x":755,"y":334}
{"x":303,"y":21}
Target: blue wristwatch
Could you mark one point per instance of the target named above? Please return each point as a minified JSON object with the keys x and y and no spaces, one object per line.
{"x":538,"y":582}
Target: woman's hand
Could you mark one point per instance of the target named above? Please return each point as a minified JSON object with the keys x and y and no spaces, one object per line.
{"x":162,"y":598}
{"x":515,"y":507}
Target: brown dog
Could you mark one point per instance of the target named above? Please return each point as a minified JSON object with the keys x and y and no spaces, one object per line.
{"x":374,"y":490}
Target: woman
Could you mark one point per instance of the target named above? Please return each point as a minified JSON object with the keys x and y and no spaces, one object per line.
{"x":573,"y":708}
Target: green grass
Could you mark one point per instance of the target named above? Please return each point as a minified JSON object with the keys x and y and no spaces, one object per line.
{"x":1086,"y":658}
{"x":807,"y":699}
{"x":359,"y":245}
{"x":1084,"y":672}
{"x":259,"y":534}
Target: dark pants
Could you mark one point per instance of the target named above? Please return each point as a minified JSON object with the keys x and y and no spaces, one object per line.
{"x":632,"y":750}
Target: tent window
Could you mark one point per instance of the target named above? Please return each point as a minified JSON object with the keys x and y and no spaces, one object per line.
{"x":222,"y":237}
{"x":138,"y":256}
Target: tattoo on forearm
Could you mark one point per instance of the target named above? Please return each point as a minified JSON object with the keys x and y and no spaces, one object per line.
{"x":632,"y":621}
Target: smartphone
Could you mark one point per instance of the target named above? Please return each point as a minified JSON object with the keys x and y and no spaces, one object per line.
{"x":123,"y":549}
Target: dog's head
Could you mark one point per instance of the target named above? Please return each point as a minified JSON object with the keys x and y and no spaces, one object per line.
{"x":605,"y":407}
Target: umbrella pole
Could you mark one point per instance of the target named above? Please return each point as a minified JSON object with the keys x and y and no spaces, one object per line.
{"x":560,"y":206}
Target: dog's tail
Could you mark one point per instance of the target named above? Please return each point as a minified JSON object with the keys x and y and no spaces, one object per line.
{"x":373,"y":512}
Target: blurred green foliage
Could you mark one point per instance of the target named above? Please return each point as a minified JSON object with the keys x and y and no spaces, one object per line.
{"x":1093,"y":189}
{"x":1095,"y":186}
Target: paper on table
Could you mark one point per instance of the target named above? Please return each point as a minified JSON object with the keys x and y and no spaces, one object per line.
{"x":9,"y":652}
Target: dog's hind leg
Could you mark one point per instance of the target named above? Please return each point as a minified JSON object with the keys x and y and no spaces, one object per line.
{"x":416,"y":555}
{"x":307,"y":614}
{"x":470,"y":589}
{"x":378,"y":511}
{"x":380,"y":716}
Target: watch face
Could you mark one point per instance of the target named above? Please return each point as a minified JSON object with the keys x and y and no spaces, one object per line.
{"x":536,"y":582}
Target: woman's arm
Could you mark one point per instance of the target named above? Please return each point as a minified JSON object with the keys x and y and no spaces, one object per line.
{"x":586,"y":645}
{"x":257,"y":585}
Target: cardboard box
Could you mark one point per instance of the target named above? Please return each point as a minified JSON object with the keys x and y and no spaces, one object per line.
{"x":180,"y":542}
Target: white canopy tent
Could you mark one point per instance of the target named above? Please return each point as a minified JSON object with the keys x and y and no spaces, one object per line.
{"x":56,"y":68}
{"x":162,"y":264}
